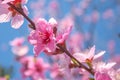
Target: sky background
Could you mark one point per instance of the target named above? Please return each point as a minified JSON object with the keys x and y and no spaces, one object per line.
{"x":104,"y":29}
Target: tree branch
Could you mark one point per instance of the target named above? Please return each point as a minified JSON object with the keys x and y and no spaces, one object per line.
{"x":23,"y":14}
{"x":81,"y":65}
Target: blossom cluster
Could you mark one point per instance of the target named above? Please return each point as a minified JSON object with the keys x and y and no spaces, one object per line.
{"x":66,"y":61}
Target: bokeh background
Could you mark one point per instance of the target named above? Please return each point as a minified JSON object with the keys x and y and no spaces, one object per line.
{"x":96,"y":21}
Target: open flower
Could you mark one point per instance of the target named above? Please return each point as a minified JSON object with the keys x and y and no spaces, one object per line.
{"x":62,"y":36}
{"x":103,"y":70}
{"x":7,"y":13}
{"x":43,"y":37}
{"x":18,"y":48}
{"x":46,"y":36}
{"x":88,"y":56}
{"x":33,"y":67}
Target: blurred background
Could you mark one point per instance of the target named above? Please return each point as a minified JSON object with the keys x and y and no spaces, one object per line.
{"x":95,"y":22}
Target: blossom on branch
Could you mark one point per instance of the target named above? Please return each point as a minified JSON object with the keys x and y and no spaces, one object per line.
{"x":45,"y":37}
{"x":8,"y":13}
{"x":33,"y":67}
{"x":88,"y":56}
{"x":18,"y":48}
{"x":103,"y":70}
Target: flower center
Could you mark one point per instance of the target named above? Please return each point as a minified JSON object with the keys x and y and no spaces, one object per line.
{"x":38,"y":68}
{"x":45,"y":37}
{"x":16,"y":1}
{"x":17,"y":4}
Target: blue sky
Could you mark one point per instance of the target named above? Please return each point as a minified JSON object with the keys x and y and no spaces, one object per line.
{"x":103,"y":33}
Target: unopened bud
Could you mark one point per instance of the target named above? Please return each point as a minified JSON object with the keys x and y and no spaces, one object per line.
{"x":53,"y":22}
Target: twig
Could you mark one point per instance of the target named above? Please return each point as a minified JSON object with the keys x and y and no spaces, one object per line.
{"x":63,"y":49}
{"x":81,"y":65}
{"x":23,"y":14}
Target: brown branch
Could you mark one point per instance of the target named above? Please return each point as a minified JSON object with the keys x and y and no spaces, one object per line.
{"x":63,"y":49}
{"x":23,"y":14}
{"x":81,"y":65}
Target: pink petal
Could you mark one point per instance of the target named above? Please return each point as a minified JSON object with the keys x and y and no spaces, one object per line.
{"x":51,"y":46}
{"x":110,"y":65}
{"x":28,"y":72}
{"x":25,"y":9}
{"x":32,"y":38}
{"x":37,"y":49}
{"x":17,"y":42}
{"x":17,"y":21}
{"x":20,"y":51}
{"x":24,"y":1}
{"x":5,"y":15}
{"x":6,"y":1}
{"x":91,"y":52}
{"x":80,"y":57}
{"x":52,"y":22}
{"x":99,"y":54}
{"x":62,"y":37}
{"x":42,"y":24}
{"x":102,"y":76}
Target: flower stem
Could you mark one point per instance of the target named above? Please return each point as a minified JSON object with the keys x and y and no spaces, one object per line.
{"x":81,"y":65}
{"x":63,"y":49}
{"x":23,"y":14}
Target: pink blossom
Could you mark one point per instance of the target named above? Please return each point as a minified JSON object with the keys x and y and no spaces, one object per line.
{"x":102,"y":76}
{"x":61,"y":37}
{"x":17,"y":41}
{"x":20,"y":51}
{"x":7,"y":1}
{"x":33,"y":67}
{"x":85,"y":75}
{"x":7,"y":13}
{"x":43,"y":37}
{"x":61,"y":68}
{"x":54,"y":70}
{"x":103,"y":70}
{"x":18,"y":48}
{"x":89,"y":55}
{"x":103,"y":67}
{"x":117,"y":74}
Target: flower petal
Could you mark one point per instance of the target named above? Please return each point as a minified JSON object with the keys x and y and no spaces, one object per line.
{"x":17,"y":21}
{"x":24,"y":1}
{"x":5,"y":15}
{"x":37,"y":49}
{"x":20,"y":51}
{"x":52,"y":22}
{"x":25,"y":9}
{"x":99,"y":54}
{"x":91,"y":52}
{"x":80,"y":57}
{"x":6,"y":1}
{"x":62,"y":37}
